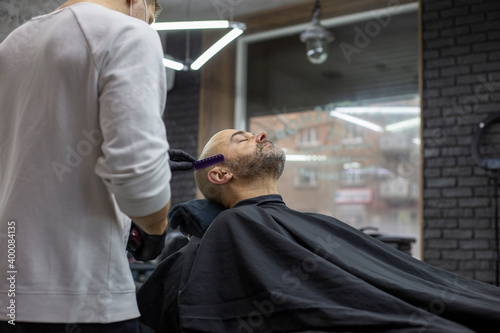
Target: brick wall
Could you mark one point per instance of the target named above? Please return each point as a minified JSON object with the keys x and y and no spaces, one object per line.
{"x":181,"y":114}
{"x":461,"y":86}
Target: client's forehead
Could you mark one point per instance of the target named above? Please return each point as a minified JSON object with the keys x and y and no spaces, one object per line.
{"x":224,"y":137}
{"x":227,"y":134}
{"x":219,"y":141}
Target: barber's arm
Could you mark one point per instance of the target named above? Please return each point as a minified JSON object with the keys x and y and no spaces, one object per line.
{"x":153,"y":224}
{"x":134,"y":165}
{"x":148,"y":233}
{"x":156,"y":223}
{"x":179,"y":160}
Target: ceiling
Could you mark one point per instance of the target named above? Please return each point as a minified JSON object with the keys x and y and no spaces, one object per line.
{"x":181,"y":10}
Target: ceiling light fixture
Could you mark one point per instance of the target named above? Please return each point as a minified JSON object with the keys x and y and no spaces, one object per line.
{"x":178,"y":66}
{"x":403,"y":125}
{"x":237,"y":29}
{"x":305,"y":158}
{"x":357,"y":121}
{"x":316,"y":38}
{"x":379,"y":110}
{"x":189,"y":25}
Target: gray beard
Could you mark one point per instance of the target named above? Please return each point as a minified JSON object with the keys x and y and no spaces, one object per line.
{"x":265,"y":161}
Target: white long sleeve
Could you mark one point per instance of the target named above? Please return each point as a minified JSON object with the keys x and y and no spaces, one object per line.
{"x":82,"y":142}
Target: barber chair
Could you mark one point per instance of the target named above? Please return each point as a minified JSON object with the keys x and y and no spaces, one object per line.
{"x":402,"y":243}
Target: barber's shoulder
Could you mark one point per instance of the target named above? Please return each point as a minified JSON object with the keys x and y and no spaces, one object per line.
{"x":109,"y":32}
{"x":101,"y":20}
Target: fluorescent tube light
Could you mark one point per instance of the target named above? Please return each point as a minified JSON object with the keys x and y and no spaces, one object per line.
{"x":237,"y":29}
{"x":228,"y":38}
{"x":178,"y":66}
{"x":305,"y":158}
{"x":402,"y":125}
{"x":190,"y":25}
{"x":379,"y":109}
{"x":357,"y":121}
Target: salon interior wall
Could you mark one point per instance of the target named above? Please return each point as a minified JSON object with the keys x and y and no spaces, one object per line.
{"x":461,"y":86}
{"x":181,"y":114}
{"x":13,"y":13}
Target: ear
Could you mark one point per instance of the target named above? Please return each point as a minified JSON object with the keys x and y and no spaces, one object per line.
{"x":219,"y":176}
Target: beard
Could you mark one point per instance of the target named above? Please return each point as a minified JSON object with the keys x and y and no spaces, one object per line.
{"x":265,"y":161}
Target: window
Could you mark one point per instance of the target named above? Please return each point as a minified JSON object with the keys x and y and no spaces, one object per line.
{"x":353,"y":174}
{"x":350,"y":126}
{"x":306,"y":178}
{"x":308,"y":138}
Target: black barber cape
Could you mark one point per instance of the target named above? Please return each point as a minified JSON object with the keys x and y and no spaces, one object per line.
{"x":262,"y":267}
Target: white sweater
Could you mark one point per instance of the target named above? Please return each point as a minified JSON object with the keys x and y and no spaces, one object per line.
{"x":82,"y":142}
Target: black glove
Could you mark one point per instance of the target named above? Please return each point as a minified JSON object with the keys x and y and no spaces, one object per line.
{"x":180,"y":160}
{"x":143,"y":246}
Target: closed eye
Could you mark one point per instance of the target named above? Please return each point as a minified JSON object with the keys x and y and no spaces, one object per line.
{"x":239,"y":136}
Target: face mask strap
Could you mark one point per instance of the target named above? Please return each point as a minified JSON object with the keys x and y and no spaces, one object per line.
{"x":145,"y":6}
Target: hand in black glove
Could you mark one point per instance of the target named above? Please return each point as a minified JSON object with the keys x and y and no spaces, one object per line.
{"x":143,"y":246}
{"x":180,"y":160}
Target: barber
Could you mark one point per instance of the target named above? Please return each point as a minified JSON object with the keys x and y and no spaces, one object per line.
{"x":83,"y":152}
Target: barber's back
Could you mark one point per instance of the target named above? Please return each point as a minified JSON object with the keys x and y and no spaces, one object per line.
{"x":70,"y":234}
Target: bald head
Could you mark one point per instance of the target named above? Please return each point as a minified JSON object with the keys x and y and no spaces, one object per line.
{"x":249,"y":158}
{"x":213,"y":147}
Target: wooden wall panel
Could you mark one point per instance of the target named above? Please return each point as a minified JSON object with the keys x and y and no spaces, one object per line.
{"x":217,"y":91}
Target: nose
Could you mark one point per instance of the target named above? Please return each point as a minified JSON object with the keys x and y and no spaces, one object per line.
{"x":260,"y":137}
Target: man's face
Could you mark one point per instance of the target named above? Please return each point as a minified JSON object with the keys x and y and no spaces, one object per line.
{"x":250,"y":155}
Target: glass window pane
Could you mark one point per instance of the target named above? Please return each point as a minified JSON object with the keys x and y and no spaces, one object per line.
{"x":350,"y":126}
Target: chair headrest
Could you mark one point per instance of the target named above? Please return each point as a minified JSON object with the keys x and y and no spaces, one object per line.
{"x":193,"y":217}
